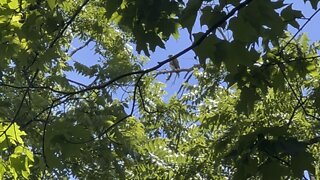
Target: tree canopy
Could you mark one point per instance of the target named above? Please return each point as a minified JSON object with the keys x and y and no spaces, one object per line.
{"x":249,"y":109}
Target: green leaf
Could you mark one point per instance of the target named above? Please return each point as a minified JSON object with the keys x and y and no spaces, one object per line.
{"x":52,"y":4}
{"x":2,"y":169}
{"x":83,"y":69}
{"x":3,"y":2}
{"x":248,"y":97}
{"x":14,"y":4}
{"x":243,"y":30}
{"x":112,"y":6}
{"x":207,"y":49}
{"x":273,"y":169}
{"x":190,"y":13}
{"x":291,"y":15}
{"x":211,"y":16}
{"x":232,"y":2}
{"x":233,"y":54}
{"x":301,"y":162}
{"x":15,"y":134}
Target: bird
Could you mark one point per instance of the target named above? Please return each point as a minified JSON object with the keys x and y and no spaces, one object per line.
{"x":174,"y":64}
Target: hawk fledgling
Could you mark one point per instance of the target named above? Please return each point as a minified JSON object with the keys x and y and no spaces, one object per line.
{"x":174,"y":64}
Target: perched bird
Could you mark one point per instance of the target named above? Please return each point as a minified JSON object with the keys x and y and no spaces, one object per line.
{"x":174,"y":64}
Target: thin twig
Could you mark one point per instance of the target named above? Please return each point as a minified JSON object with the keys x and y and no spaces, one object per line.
{"x":143,"y":102}
{"x":81,"y":47}
{"x":186,"y":81}
{"x":44,"y":135}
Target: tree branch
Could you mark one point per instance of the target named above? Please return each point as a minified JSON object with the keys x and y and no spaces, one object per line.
{"x":179,"y":70}
{"x":81,"y":47}
{"x":73,"y":17}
